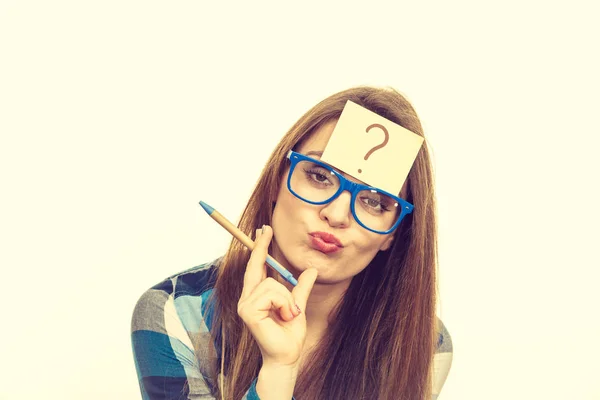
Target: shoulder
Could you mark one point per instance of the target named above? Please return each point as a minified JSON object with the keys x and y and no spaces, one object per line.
{"x":179,"y":295}
{"x":442,"y":360}
{"x":193,"y":281}
{"x":444,"y":340}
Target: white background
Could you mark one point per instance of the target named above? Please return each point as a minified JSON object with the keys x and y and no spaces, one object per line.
{"x":117,"y":117}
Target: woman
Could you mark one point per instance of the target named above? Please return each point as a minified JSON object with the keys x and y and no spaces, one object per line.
{"x":361,"y":322}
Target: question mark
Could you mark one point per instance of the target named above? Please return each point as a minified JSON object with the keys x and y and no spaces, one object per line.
{"x":387,"y":137}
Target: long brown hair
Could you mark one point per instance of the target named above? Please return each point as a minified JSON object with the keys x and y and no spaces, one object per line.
{"x":380,"y":344}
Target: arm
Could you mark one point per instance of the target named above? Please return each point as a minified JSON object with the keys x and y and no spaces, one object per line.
{"x":442,"y":360}
{"x":165,"y":359}
{"x":276,"y":382}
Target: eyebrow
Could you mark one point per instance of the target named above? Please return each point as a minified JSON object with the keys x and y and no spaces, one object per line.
{"x":347,"y":176}
{"x":314,"y":153}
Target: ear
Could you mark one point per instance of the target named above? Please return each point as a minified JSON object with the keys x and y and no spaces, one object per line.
{"x":387,"y":243}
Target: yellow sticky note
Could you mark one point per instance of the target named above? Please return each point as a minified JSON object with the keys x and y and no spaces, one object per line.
{"x":371,"y":148}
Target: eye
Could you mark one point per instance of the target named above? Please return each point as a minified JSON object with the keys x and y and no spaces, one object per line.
{"x":371,"y":203}
{"x":375,"y":202}
{"x":318,"y":175}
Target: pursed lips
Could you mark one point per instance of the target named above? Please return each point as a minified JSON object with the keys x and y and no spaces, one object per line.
{"x":325,"y":242}
{"x":327,"y":238}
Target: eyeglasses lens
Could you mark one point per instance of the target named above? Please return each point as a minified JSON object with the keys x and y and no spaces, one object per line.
{"x":314,"y":183}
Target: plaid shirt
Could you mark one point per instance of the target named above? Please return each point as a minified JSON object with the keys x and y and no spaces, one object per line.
{"x":166,"y":322}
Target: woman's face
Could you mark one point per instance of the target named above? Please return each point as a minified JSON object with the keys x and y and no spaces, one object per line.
{"x":302,"y":231}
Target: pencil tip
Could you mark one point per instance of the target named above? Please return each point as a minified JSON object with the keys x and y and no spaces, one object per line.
{"x":209,"y":210}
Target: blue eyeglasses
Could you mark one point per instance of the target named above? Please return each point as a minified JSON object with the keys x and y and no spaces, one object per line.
{"x":318,"y":183}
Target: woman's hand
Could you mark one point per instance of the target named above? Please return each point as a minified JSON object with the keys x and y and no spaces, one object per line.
{"x":271,"y":312}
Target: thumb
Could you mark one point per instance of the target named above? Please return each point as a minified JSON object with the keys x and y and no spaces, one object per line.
{"x":306,"y":280}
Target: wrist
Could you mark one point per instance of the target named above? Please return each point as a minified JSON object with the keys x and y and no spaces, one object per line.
{"x":276,"y":381}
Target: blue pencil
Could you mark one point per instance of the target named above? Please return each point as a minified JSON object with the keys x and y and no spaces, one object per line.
{"x":246,"y":241}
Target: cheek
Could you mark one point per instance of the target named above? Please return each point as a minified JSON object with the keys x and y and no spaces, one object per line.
{"x":370,"y":244}
{"x":284,"y":209}
{"x":283,"y":195}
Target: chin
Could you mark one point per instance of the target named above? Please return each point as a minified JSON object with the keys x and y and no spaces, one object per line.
{"x":299,"y":264}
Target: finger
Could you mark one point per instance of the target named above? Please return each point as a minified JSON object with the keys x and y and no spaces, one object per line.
{"x":249,"y":273}
{"x":271,"y":285}
{"x":256,"y":269}
{"x":259,"y":233}
{"x":257,"y":307}
{"x":305,"y":285}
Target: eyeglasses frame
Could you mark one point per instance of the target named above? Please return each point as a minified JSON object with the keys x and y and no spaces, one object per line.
{"x":352,"y":187}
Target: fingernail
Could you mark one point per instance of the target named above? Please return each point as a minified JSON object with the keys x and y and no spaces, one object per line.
{"x":298,"y":309}
{"x":263,"y":229}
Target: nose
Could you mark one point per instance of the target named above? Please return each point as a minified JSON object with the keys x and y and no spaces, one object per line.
{"x":337,"y":213}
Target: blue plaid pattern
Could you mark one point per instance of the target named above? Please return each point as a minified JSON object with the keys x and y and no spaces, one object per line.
{"x":166,"y":322}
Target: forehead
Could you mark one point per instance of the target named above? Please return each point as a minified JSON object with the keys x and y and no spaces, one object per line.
{"x":317,"y":141}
